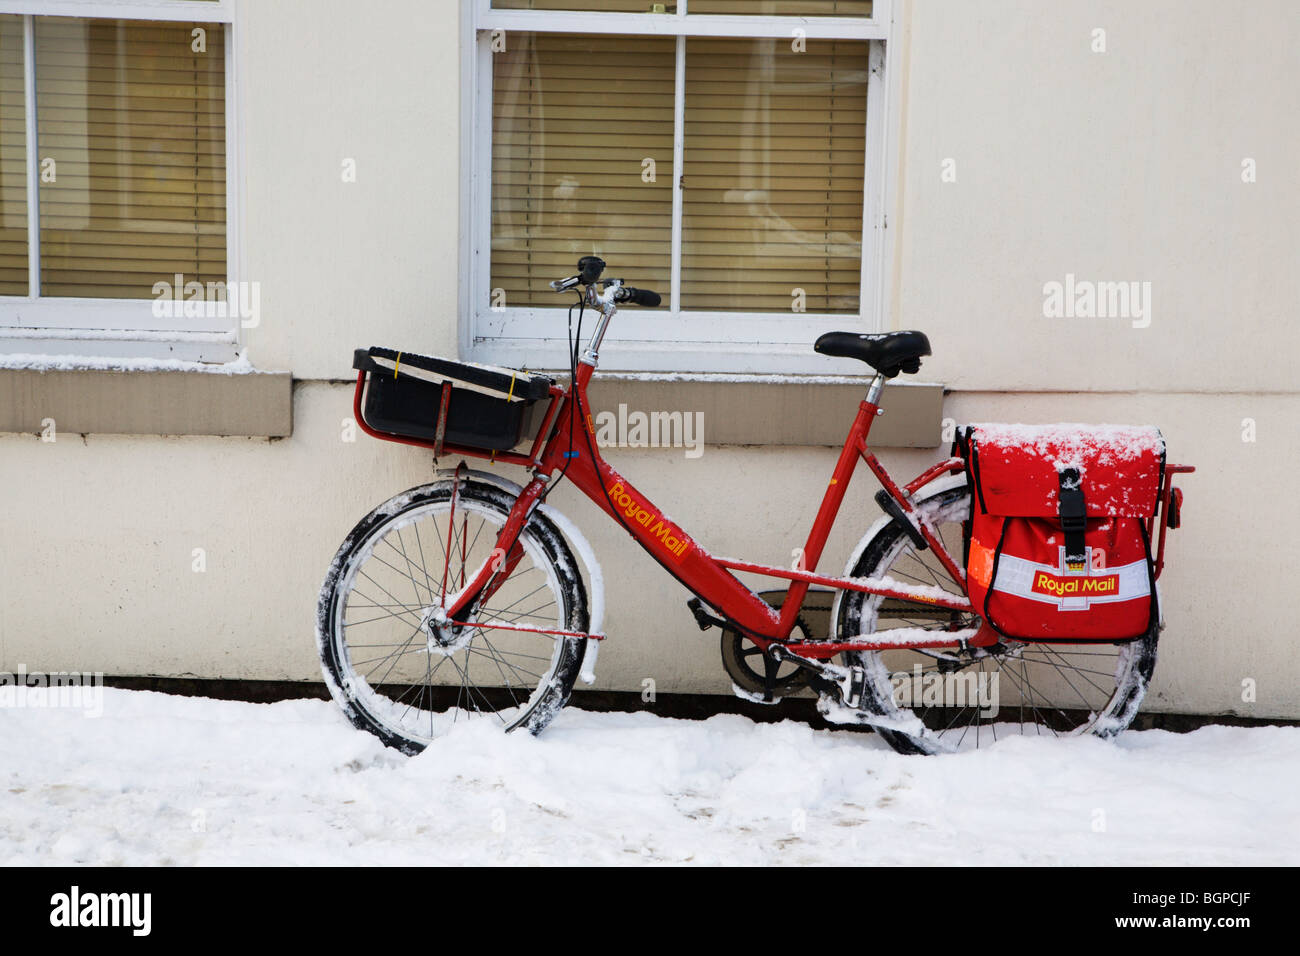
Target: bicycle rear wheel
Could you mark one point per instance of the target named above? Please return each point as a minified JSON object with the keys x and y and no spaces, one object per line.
{"x":402,"y":670}
{"x":975,"y":697}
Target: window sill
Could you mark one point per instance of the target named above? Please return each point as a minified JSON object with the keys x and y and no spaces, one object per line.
{"x":779,"y":409}
{"x":104,"y":396}
{"x":120,"y":348}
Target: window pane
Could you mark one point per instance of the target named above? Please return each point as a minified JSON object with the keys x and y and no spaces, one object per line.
{"x":131,"y":127}
{"x":582,"y":155}
{"x":603,"y":6}
{"x":773,"y":175}
{"x":780,"y":8}
{"x":784,"y":8}
{"x":13,"y":160}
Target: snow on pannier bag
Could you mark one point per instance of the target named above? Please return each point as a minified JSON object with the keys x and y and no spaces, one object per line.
{"x":1058,"y":548}
{"x":475,"y":406}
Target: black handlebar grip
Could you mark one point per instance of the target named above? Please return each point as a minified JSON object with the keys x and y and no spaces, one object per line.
{"x":642,"y":297}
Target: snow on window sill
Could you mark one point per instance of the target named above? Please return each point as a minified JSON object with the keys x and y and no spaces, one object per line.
{"x":76,"y":363}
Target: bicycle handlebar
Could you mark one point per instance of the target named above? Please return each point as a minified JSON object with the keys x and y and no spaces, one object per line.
{"x":637,"y":296}
{"x":589,"y":271}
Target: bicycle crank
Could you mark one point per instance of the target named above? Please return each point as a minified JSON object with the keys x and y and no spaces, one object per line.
{"x":842,"y":692}
{"x":847,"y":684}
{"x":762,"y":678}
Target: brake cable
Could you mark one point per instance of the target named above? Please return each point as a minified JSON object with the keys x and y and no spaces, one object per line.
{"x":574,"y":343}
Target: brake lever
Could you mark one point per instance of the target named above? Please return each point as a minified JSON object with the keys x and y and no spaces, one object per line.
{"x":564,"y":285}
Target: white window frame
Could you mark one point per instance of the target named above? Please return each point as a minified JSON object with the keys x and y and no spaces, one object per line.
{"x":122,"y":328}
{"x":672,"y":341}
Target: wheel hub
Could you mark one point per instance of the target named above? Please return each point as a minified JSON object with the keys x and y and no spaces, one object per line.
{"x":442,"y":635}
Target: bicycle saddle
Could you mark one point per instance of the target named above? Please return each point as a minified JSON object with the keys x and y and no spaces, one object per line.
{"x":887,"y":352}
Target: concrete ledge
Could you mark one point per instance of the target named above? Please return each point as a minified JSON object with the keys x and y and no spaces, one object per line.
{"x":91,"y":401}
{"x":796,"y":410}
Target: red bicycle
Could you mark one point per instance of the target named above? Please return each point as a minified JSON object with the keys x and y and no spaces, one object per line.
{"x":466,"y":597}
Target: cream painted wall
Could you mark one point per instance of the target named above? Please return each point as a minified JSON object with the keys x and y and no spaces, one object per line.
{"x":1123,"y":165}
{"x":350,"y":264}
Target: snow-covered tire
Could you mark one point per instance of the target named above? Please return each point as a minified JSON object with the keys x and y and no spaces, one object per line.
{"x":887,"y":551}
{"x":545,"y":553}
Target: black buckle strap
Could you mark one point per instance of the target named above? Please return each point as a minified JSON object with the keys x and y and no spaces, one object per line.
{"x":440,"y":430}
{"x":1074,"y":518}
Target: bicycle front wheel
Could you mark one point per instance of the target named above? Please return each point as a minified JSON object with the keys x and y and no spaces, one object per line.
{"x":973,"y":697}
{"x":399,"y":667}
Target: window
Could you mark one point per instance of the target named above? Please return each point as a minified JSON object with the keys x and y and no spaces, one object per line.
{"x":13,"y":160}
{"x":729,"y":155}
{"x":554,"y":197}
{"x":772,"y":197}
{"x":114,"y":181}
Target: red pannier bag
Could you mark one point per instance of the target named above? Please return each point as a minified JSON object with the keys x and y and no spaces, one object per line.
{"x":1057,"y":546}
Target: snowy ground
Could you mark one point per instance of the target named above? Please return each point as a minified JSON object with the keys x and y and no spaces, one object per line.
{"x":161,"y":779}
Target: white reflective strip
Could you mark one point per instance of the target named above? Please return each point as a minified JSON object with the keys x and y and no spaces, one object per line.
{"x":1016,"y":576}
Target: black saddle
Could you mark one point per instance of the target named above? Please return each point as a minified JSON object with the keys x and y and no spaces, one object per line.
{"x":887,"y":352}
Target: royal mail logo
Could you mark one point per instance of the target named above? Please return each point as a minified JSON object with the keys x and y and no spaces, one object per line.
{"x":1075,"y":586}
{"x":667,"y":534}
{"x":1070,"y":590}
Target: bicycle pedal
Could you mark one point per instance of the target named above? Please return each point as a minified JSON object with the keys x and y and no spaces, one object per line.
{"x":852,"y":686}
{"x":702,"y":617}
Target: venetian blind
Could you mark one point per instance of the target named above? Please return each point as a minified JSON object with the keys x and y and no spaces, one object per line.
{"x":132,"y":139}
{"x":773,"y":172}
{"x":582,"y":149}
{"x":784,"y":8}
{"x":13,"y":159}
{"x":582,"y":6}
{"x":787,"y":8}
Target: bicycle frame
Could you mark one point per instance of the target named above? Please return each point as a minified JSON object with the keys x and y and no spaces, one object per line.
{"x":572,"y":443}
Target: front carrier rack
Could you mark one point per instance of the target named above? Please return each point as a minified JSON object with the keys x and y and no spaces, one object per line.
{"x":451,"y":407}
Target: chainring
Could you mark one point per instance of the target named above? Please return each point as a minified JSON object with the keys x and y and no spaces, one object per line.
{"x":740,"y":654}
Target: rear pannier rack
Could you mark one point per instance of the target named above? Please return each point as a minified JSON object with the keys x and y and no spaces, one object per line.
{"x":436,"y":401}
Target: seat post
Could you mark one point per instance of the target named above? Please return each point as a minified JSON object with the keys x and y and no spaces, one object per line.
{"x":876,"y":387}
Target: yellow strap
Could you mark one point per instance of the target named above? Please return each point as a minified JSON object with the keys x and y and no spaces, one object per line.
{"x":397,"y":364}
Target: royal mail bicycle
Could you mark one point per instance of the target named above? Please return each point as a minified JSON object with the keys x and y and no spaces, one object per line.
{"x":1010,"y":588}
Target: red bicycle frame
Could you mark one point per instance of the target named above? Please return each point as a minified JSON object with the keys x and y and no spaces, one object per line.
{"x":566,"y":442}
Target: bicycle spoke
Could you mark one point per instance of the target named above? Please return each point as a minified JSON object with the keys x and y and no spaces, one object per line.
{"x":395,"y":655}
{"x":517,"y":600}
{"x":499,"y":660}
{"x":381,"y":587}
{"x":509,"y":686}
{"x":424,"y":564}
{"x":1071,"y":683}
{"x":536,"y":657}
{"x":410,"y":566}
{"x":1074,"y":669}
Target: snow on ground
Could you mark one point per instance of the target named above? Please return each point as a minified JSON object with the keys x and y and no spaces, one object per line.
{"x":161,"y":779}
